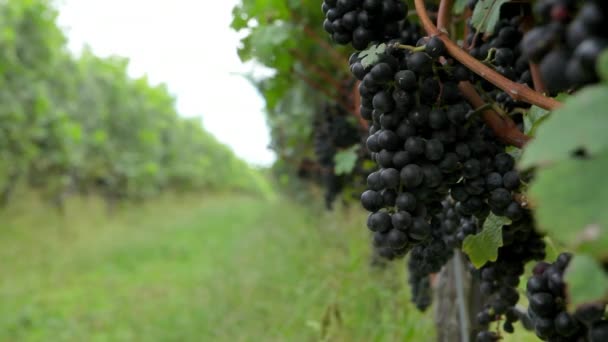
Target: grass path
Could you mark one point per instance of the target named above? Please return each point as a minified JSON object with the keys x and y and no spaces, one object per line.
{"x":223,"y":268}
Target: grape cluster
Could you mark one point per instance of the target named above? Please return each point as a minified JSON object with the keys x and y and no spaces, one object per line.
{"x":448,"y":230}
{"x":490,"y":183}
{"x":361,"y":22}
{"x":453,"y":227}
{"x":499,"y":279}
{"x":418,"y":273}
{"x":546,"y":292}
{"x":568,"y":42}
{"x":441,"y":171}
{"x":332,"y":132}
{"x":410,"y":138}
{"x":502,"y":51}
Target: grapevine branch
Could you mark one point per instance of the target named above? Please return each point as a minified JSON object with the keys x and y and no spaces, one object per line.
{"x":537,"y":79}
{"x":517,"y":91}
{"x":315,"y":69}
{"x":356,"y":100}
{"x":444,"y":17}
{"x":337,"y":59}
{"x":316,"y":86}
{"x":502,"y":126}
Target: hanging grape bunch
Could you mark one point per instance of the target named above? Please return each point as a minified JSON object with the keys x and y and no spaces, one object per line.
{"x":447,"y":117}
{"x":360,"y":22}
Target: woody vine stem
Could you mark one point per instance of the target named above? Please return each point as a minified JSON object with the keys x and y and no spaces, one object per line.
{"x":502,"y":126}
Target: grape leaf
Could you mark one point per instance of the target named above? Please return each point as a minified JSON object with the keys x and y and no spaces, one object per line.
{"x":580,"y":123}
{"x":586,"y":279}
{"x":372,"y":55}
{"x":514,"y":152}
{"x":533,"y":118}
{"x":602,"y":65}
{"x":483,"y":247}
{"x":346,"y":160}
{"x":571,"y":200}
{"x":551,"y":251}
{"x":486,"y":15}
{"x":459,"y":6}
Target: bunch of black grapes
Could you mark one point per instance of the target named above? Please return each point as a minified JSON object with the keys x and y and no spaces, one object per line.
{"x":499,"y":279}
{"x":360,"y":22}
{"x":447,"y":226}
{"x":546,"y":292}
{"x":567,"y":43}
{"x":502,"y":51}
{"x":332,"y":132}
{"x":413,"y":135}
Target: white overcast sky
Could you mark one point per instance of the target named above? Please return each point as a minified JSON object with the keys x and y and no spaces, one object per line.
{"x":187,"y":44}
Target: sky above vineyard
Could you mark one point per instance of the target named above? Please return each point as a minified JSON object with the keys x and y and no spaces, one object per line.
{"x":188,"y":45}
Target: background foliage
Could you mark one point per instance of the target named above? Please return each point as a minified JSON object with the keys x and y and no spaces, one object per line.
{"x":82,"y":124}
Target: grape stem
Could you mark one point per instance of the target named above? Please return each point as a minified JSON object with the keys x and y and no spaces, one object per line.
{"x":537,"y":79}
{"x":502,"y":126}
{"x":517,"y":91}
{"x":410,"y":47}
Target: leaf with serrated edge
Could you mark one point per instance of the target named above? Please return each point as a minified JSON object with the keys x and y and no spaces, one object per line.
{"x":371,"y":55}
{"x":486,"y":15}
{"x":571,"y":200}
{"x":580,"y":123}
{"x":483,"y":247}
{"x":345,"y":160}
{"x":586,"y":281}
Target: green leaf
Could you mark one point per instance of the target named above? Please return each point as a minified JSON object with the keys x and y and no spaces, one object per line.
{"x":533,"y":118}
{"x":586,"y":281}
{"x":346,"y":160}
{"x":579,"y":124}
{"x":372,"y":55}
{"x":602,"y":65}
{"x":486,"y":15}
{"x":571,"y":201}
{"x":551,"y":251}
{"x":459,"y":6}
{"x":483,"y":247}
{"x":514,"y":152}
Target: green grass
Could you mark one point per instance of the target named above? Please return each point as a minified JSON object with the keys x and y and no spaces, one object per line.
{"x":219,"y":268}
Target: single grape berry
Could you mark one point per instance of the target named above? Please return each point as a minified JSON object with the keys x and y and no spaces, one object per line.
{"x":374,"y":181}
{"x":434,"y":150}
{"x":543,"y":304}
{"x":379,"y":222}
{"x":406,"y":80}
{"x":382,"y":72}
{"x":372,"y":200}
{"x":402,"y":220}
{"x":415,"y":146}
{"x":406,"y":201}
{"x":411,"y":176}
{"x":434,"y":47}
{"x":390,"y":178}
{"x":420,"y":63}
